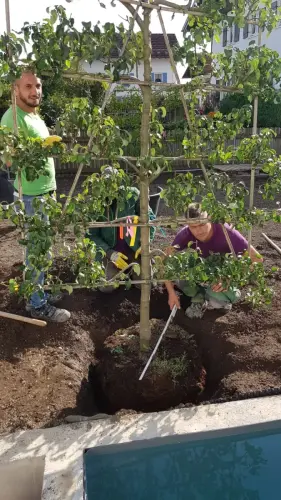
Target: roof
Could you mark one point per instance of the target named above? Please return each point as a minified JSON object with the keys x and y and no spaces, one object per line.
{"x":159,"y":50}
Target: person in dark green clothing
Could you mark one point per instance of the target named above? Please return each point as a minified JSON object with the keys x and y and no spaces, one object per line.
{"x":28,"y":90}
{"x":121,"y":246}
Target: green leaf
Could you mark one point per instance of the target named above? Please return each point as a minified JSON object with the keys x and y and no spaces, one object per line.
{"x":95,"y":149}
{"x":217,"y":38}
{"x":54,"y":16}
{"x":128,"y":284}
{"x":68,"y":288}
{"x":137,"y":269}
{"x":87,"y":25}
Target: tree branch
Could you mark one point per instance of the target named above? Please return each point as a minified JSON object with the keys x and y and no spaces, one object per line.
{"x":166,"y":6}
{"x":130,"y":164}
{"x":134,"y":13}
{"x":156,"y":174}
{"x":130,"y":31}
{"x":172,"y":5}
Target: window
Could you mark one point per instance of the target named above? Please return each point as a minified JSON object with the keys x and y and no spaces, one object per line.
{"x":274,"y":7}
{"x":236,"y":33}
{"x":159,"y":77}
{"x":246,"y":31}
{"x":224,"y":37}
{"x":231,"y":34}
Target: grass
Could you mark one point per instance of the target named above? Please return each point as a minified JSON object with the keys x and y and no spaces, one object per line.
{"x":176,"y":367}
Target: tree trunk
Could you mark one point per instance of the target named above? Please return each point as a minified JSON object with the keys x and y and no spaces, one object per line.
{"x":145,"y":332}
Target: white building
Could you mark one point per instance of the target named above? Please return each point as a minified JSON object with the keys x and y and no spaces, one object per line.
{"x":240,"y":37}
{"x":161,"y":67}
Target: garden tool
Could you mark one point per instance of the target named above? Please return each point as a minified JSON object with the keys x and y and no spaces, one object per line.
{"x":171,"y":317}
{"x":17,"y":317}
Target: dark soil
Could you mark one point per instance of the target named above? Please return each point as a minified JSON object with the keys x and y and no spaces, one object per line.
{"x":175,"y":376}
{"x":44,"y":371}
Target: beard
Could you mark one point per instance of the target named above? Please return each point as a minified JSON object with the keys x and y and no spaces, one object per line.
{"x":30,"y":102}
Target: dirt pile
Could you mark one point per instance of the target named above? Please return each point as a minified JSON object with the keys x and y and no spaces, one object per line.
{"x":44,"y":371}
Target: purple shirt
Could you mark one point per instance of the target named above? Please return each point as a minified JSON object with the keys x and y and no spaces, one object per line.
{"x":121,"y":246}
{"x":217,"y":244}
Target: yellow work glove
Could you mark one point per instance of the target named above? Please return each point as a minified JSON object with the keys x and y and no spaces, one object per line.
{"x":119,"y":260}
{"x":137,"y":254}
{"x":49,"y":141}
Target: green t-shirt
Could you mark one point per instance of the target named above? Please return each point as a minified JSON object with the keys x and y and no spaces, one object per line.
{"x":32,"y":126}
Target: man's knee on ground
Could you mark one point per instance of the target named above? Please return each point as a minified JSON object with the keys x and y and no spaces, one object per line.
{"x":230,"y":296}
{"x":235,"y":296}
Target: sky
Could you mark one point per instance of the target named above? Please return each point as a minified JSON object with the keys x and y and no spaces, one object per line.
{"x":82,"y":10}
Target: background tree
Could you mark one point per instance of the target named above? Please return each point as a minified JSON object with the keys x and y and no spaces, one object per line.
{"x":269,"y":113}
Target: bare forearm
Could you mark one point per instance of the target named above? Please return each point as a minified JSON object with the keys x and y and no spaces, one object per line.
{"x":174,"y":299}
{"x":255,"y":256}
{"x":170,"y":286}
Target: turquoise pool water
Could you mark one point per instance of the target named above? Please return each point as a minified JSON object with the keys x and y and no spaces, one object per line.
{"x":241,"y":467}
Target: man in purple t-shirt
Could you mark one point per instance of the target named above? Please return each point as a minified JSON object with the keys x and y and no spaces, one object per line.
{"x":209,"y":238}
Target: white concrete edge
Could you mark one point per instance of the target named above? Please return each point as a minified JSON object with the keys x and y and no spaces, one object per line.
{"x":63,"y":446}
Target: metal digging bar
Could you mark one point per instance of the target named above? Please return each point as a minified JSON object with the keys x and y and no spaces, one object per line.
{"x":171,"y":317}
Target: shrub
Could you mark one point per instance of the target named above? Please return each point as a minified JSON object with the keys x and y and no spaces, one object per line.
{"x":269,"y":113}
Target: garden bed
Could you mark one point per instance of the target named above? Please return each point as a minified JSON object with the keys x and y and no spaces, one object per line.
{"x":78,"y":368}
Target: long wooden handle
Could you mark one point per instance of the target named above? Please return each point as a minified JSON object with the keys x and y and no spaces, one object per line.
{"x":277,"y":248}
{"x":32,"y":321}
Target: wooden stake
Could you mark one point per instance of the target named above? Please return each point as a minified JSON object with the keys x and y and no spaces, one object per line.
{"x":145,"y":331}
{"x":14,"y":109}
{"x":276,"y":247}
{"x":13,"y":97}
{"x":253,"y":169}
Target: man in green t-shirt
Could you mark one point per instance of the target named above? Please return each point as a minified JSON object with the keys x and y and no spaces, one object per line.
{"x":28,"y":90}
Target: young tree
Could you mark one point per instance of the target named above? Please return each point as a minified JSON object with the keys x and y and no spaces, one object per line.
{"x":58,"y":47}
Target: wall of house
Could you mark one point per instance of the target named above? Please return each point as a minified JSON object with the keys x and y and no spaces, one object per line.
{"x":273,"y":41}
{"x":158,"y":66}
{"x":96,"y":67}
